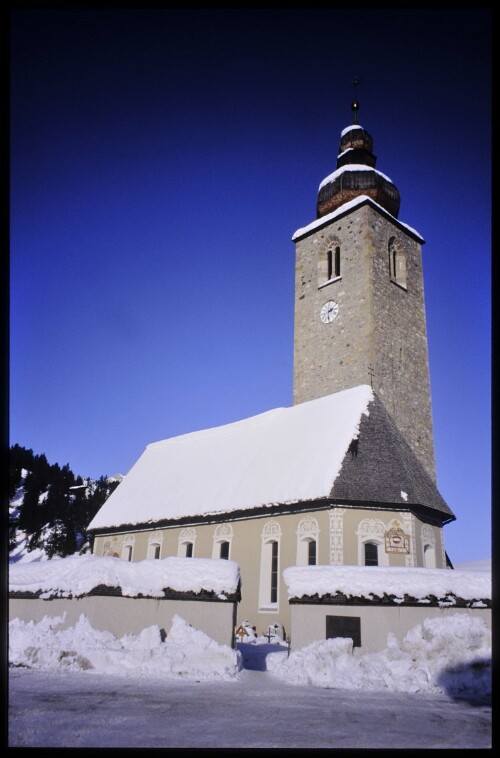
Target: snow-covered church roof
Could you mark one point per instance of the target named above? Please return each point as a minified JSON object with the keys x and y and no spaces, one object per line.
{"x":285,"y":456}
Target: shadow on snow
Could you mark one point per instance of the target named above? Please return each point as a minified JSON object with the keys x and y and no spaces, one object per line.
{"x":254,"y":656}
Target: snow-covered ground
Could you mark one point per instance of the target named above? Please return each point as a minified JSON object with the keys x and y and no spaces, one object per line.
{"x":451,"y":655}
{"x":439,"y":656}
{"x":256,"y":710}
{"x":53,"y":671}
{"x":83,"y":688}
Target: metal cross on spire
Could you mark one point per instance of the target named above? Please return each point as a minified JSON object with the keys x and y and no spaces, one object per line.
{"x":371,"y":374}
{"x":355,"y":105}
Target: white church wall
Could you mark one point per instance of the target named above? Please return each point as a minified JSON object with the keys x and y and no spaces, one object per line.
{"x":340,"y":534}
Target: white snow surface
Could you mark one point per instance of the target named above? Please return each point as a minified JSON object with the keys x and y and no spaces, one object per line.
{"x":351,"y":167}
{"x":370,"y":581}
{"x":187,"y":652}
{"x":439,"y":655}
{"x":450,"y":655}
{"x":342,"y":209}
{"x":78,"y":575}
{"x":283,"y":456}
{"x":349,"y":128}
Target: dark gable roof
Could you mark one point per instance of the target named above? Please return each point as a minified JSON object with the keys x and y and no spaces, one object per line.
{"x":380,"y":465}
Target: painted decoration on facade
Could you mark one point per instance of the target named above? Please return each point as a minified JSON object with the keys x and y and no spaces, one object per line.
{"x":396,"y":540}
{"x":112,"y":547}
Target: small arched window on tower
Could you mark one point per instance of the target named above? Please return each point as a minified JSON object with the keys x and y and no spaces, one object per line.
{"x":329,"y":263}
{"x":333,"y":263}
{"x":397,"y":263}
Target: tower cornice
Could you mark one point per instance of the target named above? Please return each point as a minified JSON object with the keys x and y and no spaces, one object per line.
{"x":350,"y":207}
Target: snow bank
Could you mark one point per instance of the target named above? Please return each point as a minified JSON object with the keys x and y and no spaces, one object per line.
{"x":451,"y":655}
{"x":186,"y":652}
{"x":78,"y":575}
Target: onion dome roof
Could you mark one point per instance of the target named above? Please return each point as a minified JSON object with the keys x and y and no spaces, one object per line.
{"x":356,"y":175}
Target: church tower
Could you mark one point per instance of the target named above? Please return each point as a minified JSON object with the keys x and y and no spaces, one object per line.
{"x":359,"y":296}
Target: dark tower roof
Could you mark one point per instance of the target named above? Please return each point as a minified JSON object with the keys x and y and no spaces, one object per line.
{"x":380,"y":464}
{"x":356,"y":175}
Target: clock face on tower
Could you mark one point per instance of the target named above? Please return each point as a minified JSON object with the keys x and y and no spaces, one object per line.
{"x":329,"y":312}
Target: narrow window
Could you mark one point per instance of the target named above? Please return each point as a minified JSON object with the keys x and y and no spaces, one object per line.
{"x":157,"y":551}
{"x":187,"y":538}
{"x":311,"y":552}
{"x":128,"y":552}
{"x":274,"y":572}
{"x":269,"y":566}
{"x":307,"y":541}
{"x":371,"y":554}
{"x":337,"y":262}
{"x":222,"y":538}
{"x":329,"y":259}
{"x":397,"y":263}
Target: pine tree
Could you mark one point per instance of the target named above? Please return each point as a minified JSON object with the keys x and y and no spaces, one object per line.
{"x":57,"y":506}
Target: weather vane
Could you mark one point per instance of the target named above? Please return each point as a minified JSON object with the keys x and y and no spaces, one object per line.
{"x":355,"y":105}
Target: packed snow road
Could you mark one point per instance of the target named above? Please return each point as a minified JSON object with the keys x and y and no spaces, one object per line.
{"x":88,"y":709}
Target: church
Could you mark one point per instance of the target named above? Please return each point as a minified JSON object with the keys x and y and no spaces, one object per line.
{"x":346,"y":475}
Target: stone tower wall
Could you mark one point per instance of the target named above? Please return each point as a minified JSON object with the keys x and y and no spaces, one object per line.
{"x":379,"y":335}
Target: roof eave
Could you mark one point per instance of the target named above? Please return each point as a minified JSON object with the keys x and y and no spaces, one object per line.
{"x":339,"y":214}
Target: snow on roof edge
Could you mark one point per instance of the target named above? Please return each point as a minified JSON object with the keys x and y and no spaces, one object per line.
{"x":363,"y":581}
{"x":352,"y":167}
{"x":349,"y":128}
{"x":317,"y":223}
{"x":298,"y":452}
{"x":79,"y":575}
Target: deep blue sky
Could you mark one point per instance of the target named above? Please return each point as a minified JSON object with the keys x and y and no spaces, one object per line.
{"x":161,"y":161}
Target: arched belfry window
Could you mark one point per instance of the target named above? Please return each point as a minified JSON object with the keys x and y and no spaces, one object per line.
{"x":397,"y":263}
{"x":336,"y":262}
{"x":333,"y":262}
{"x":329,"y":262}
